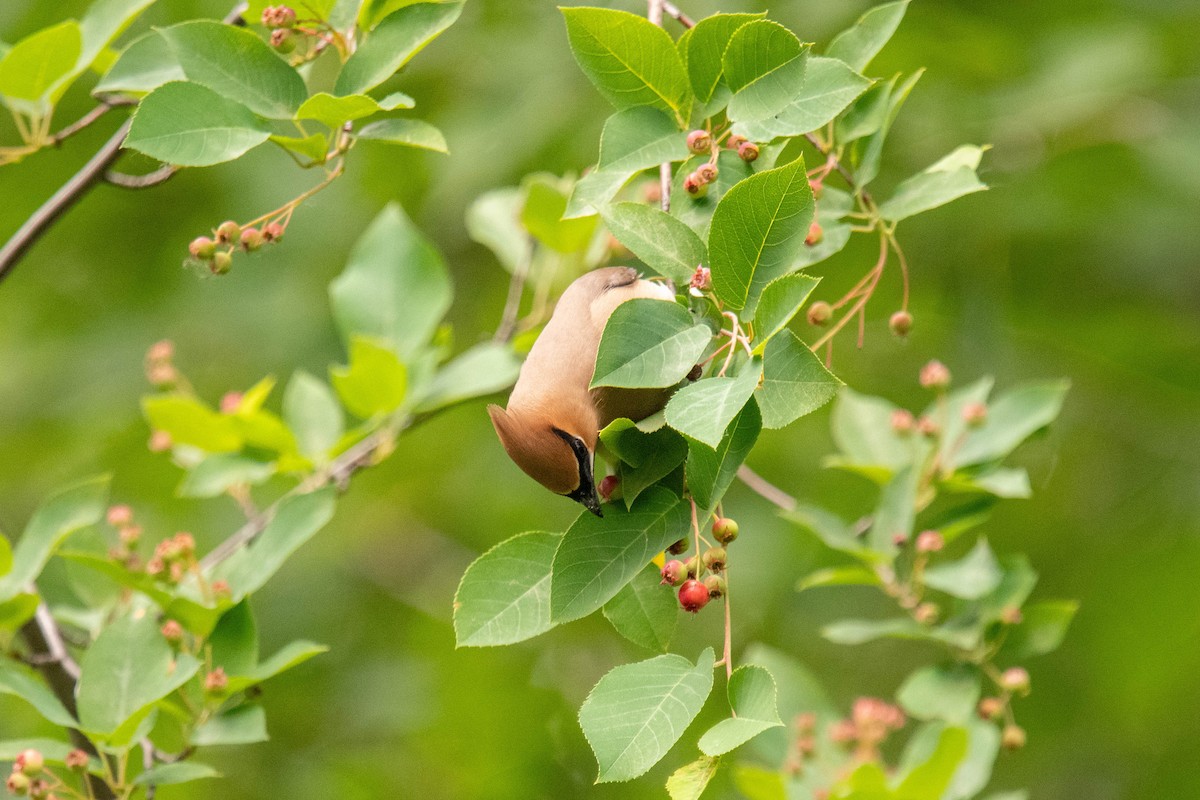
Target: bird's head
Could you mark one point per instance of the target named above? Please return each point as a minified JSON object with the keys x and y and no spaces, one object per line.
{"x":556,"y":450}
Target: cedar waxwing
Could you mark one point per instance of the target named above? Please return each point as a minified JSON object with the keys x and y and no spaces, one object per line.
{"x":552,"y":421}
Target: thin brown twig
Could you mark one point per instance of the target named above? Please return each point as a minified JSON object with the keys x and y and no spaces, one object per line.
{"x":677,"y":15}
{"x":127,"y":181}
{"x":516,"y":290}
{"x":765,"y":489}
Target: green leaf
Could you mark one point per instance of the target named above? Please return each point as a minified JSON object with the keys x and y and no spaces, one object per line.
{"x":937,"y":185}
{"x":407,"y":133}
{"x":781,"y":299}
{"x":971,"y":577}
{"x":799,"y":692}
{"x":504,"y":596}
{"x":486,"y":368}
{"x":179,"y":772}
{"x":649,"y":343}
{"x":235,"y":63}
{"x":31,"y":68}
{"x":6,"y":556}
{"x":1011,"y":419}
{"x":704,"y":409}
{"x":975,"y":769}
{"x":245,"y":724}
{"x":214,"y":475}
{"x":705,"y":48}
{"x":313,"y":414}
{"x":866,"y":115}
{"x":597,"y":557}
{"x":665,"y":244}
{"x":862,"y":430}
{"x":297,"y":519}
{"x":315,"y":147}
{"x":838,"y":576}
{"x":190,"y":422}
{"x":861,"y":631}
{"x":395,"y":286}
{"x":928,"y":781}
{"x":542,"y":215}
{"x":948,"y":413}
{"x":666,"y":451}
{"x":333,"y":112}
{"x":829,"y":87}
{"x":189,"y":125}
{"x":639,"y":138}
{"x":128,"y":667}
{"x":630,"y":60}
{"x":374,"y":383}
{"x":644,"y":611}
{"x":758,"y":229}
{"x":637,"y":712}
{"x":60,"y":515}
{"x":947,"y":692}
{"x":896,"y":512}
{"x":795,"y":381}
{"x":757,"y":783}
{"x":752,"y":698}
{"x":494,"y":220}
{"x":697,"y":212}
{"x":831,"y":529}
{"x":147,"y":63}
{"x":234,"y":640}
{"x":592,"y":192}
{"x":860,"y":43}
{"x":764,"y":64}
{"x":689,"y":781}
{"x":1042,"y":629}
{"x":393,"y":43}
{"x":710,"y":471}
{"x":20,"y":681}
{"x":17,"y":610}
{"x":291,"y":655}
{"x":867,"y":153}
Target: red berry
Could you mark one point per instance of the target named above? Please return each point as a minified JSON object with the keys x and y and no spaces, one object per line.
{"x":674,"y":572}
{"x":172,"y":631}
{"x":1016,"y":680}
{"x":748,"y":151}
{"x":29,"y":762}
{"x":707,"y":173}
{"x":702,"y":279}
{"x":252,"y":239}
{"x":120,"y":515}
{"x":272,"y":231}
{"x":609,"y":488}
{"x":1013,"y":737}
{"x":202,"y":248}
{"x":735,"y":141}
{"x":278,"y":17}
{"x":76,"y":759}
{"x":216,"y":681}
{"x":714,"y":559}
{"x":693,"y":595}
{"x":699,"y":142}
{"x":819,"y":313}
{"x":901,"y":323}
{"x":935,"y":375}
{"x":229,"y":232}
{"x":162,"y":350}
{"x":818,"y":187}
{"x":930,"y":542}
{"x":231,"y":402}
{"x":725,"y":529}
{"x":974,"y":414}
{"x":991,"y":708}
{"x":815,"y":234}
{"x":927,"y":426}
{"x":902,"y":421}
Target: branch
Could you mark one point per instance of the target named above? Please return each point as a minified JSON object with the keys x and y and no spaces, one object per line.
{"x":61,"y":672}
{"x":674,"y":12}
{"x":512,"y":304}
{"x":67,"y":195}
{"x":766,"y":490}
{"x":126,"y":181}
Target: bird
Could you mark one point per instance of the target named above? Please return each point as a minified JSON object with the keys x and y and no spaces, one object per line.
{"x":552,"y":421}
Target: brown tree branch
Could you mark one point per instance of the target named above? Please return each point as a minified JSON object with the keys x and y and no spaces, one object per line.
{"x":769,"y":491}
{"x":126,"y":181}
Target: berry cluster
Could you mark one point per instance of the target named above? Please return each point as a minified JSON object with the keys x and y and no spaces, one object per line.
{"x":216,"y":251}
{"x":696,"y":588}
{"x":935,"y":376}
{"x":868,"y":726}
{"x":174,"y":558}
{"x":700,"y":142}
{"x":31,"y":778}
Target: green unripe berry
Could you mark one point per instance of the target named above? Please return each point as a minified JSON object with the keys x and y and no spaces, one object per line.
{"x":221,"y":263}
{"x":725,"y":529}
{"x":229,"y":232}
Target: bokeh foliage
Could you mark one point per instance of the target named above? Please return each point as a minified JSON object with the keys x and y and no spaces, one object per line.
{"x":1076,"y":264}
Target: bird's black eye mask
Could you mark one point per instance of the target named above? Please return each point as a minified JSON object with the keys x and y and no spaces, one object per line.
{"x":585,"y":493}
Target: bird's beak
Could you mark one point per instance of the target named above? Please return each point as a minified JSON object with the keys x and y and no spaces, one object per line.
{"x":586,"y":494}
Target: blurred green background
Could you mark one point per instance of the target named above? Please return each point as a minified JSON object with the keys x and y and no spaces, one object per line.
{"x":1082,"y":261}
